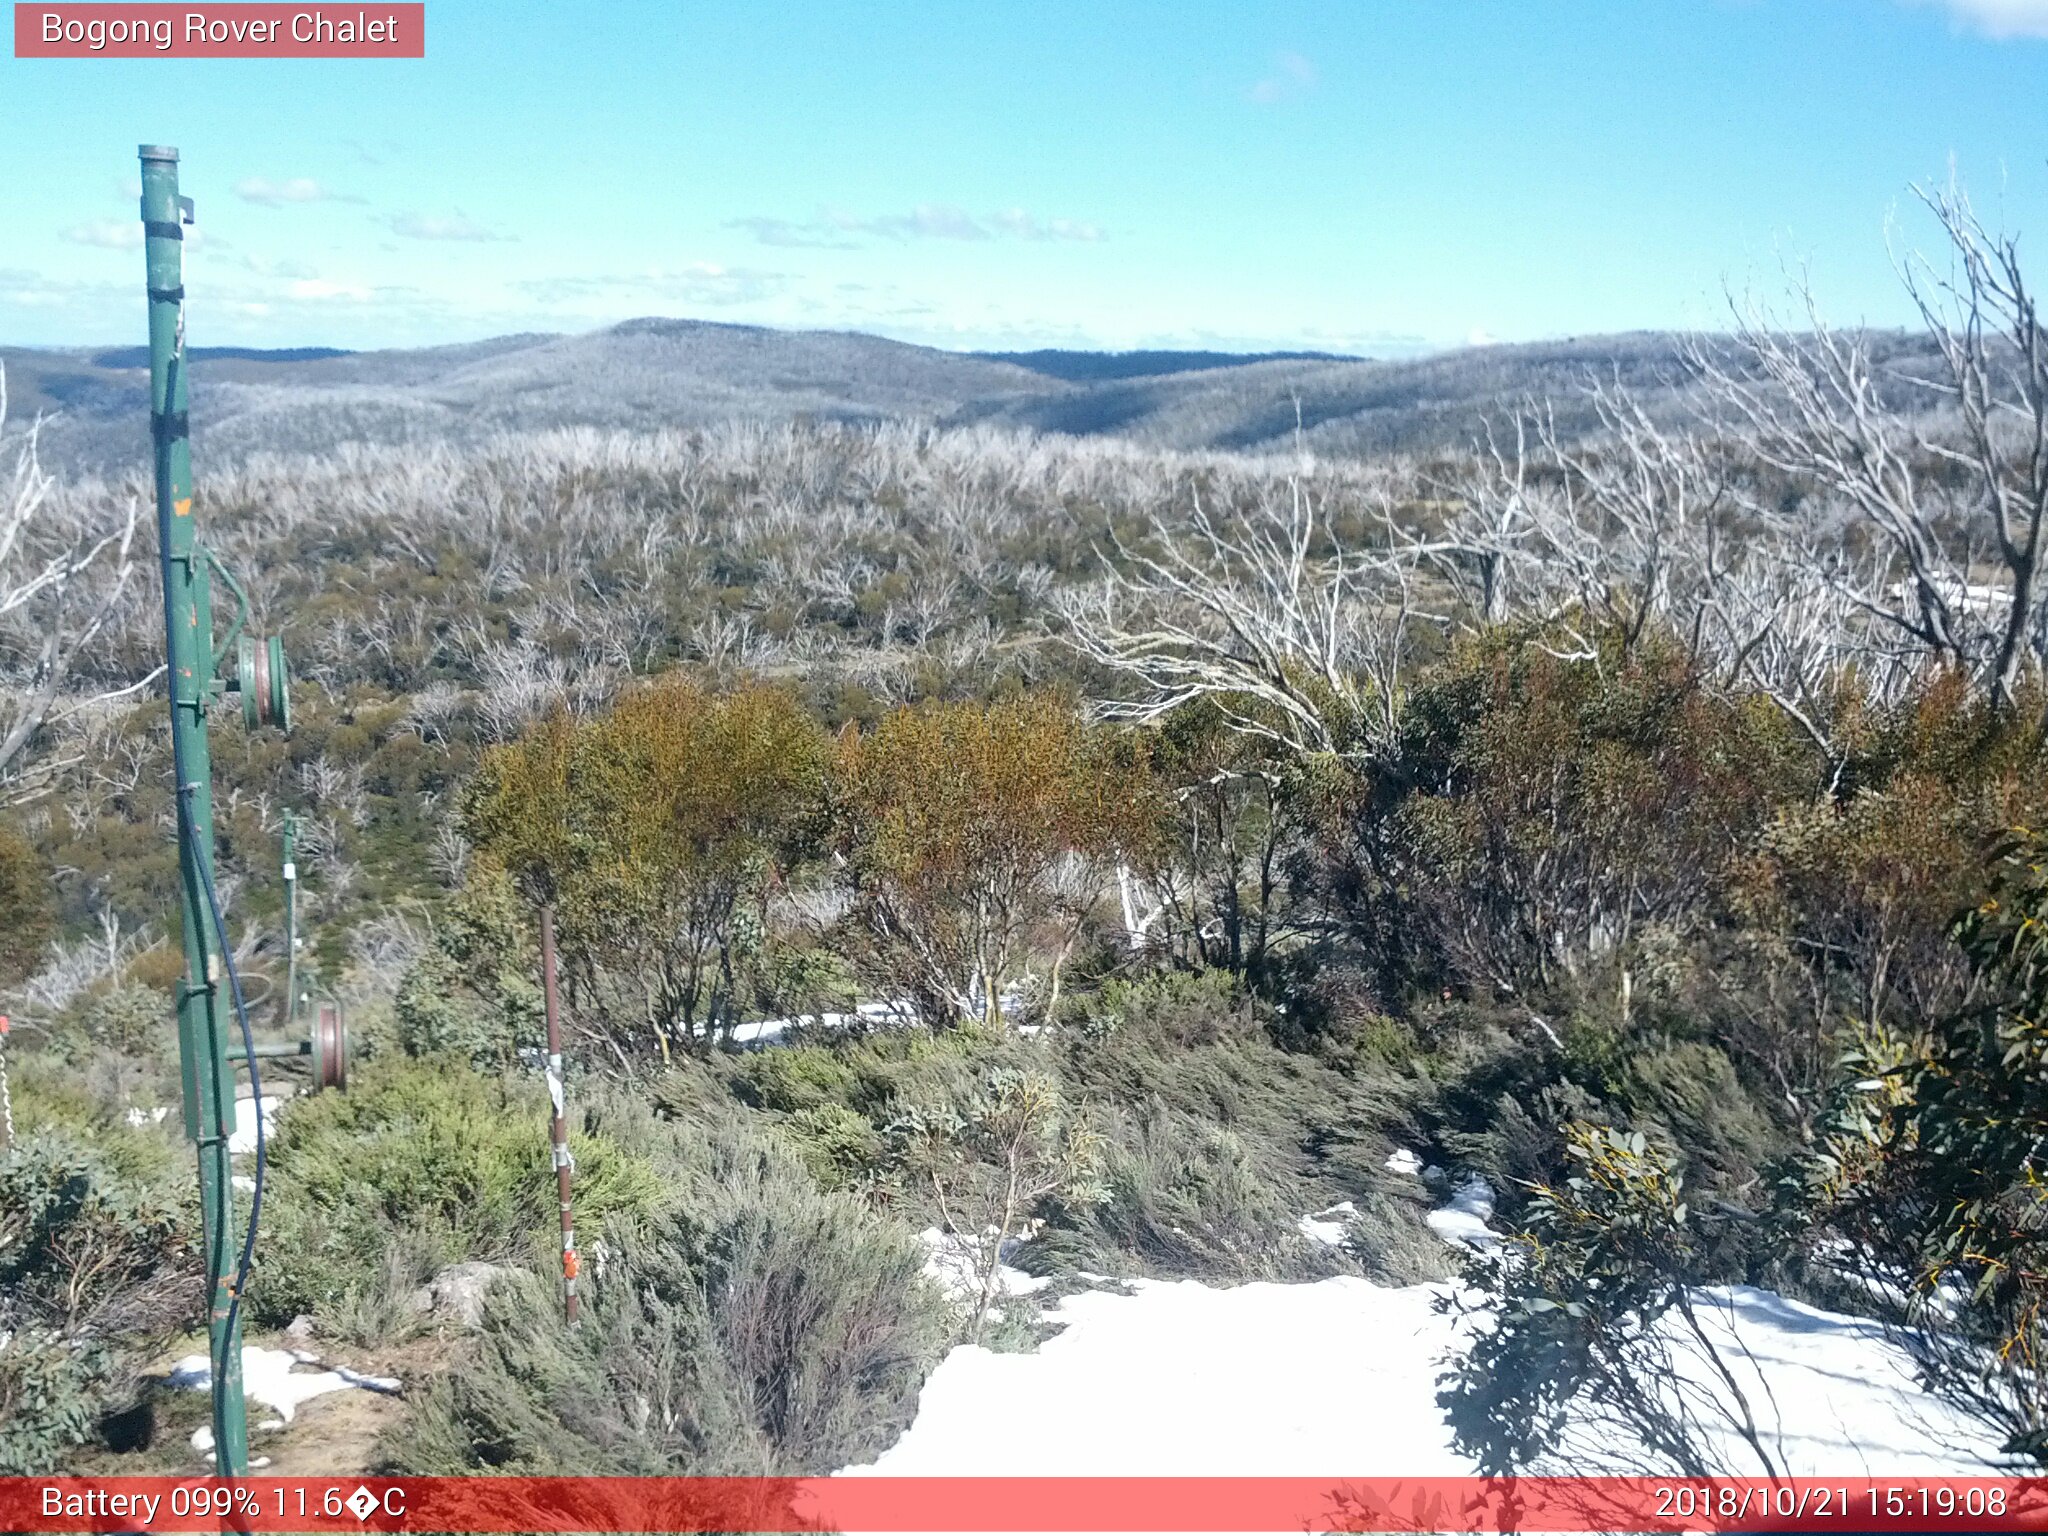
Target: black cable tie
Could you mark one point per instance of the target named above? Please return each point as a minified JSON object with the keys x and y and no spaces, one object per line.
{"x":168,"y":295}
{"x":162,"y":229}
{"x":164,"y":425}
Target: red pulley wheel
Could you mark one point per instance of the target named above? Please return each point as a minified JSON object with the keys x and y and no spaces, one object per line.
{"x":330,"y":1048}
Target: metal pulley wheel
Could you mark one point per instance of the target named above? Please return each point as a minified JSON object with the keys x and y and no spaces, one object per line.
{"x":263,"y":682}
{"x":330,"y":1048}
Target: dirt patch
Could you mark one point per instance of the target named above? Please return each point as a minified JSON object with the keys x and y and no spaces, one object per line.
{"x":334,"y":1434}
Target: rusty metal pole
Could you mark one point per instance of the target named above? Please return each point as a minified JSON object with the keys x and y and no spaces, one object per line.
{"x":556,"y":1092}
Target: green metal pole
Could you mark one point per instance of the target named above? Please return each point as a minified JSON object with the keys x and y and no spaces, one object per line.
{"x":209,"y":1082}
{"x":291,"y":919}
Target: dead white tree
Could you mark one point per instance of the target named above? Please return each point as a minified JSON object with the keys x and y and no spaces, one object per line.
{"x":1297,"y":638}
{"x":1487,"y":540}
{"x":1950,"y":491}
{"x":59,"y":585}
{"x":1633,"y":533}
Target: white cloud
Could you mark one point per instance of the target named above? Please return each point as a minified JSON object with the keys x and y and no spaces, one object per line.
{"x":322,"y":290}
{"x":699,"y":282}
{"x":1999,"y":18}
{"x":1293,"y":75}
{"x":34,"y":290}
{"x":275,"y":194}
{"x":119,"y":234}
{"x":107,"y":234}
{"x":789,"y":232}
{"x":1480,"y":336}
{"x":1025,"y":226}
{"x":442,"y":226}
{"x":838,"y":229}
{"x":927,"y":221}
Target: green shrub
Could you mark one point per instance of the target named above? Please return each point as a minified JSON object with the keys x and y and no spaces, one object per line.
{"x":84,"y":1249}
{"x":431,"y":1152}
{"x":979,"y":1164}
{"x":1183,"y":1197}
{"x":794,"y":1078}
{"x":96,"y":1270}
{"x":436,"y":1016}
{"x":87,"y":1106}
{"x":1390,"y":1237}
{"x":28,"y":907}
{"x":839,"y":1147}
{"x":53,"y":1390}
{"x":762,"y":1327}
{"x":1589,"y":1316}
{"x":1690,"y":1088}
{"x":475,"y":993}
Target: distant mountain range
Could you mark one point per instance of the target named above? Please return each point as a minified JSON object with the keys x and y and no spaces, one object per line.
{"x":654,"y":372}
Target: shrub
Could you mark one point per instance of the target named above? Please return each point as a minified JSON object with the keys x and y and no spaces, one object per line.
{"x":1390,"y":1238}
{"x":658,"y":830}
{"x":763,"y":1327}
{"x":53,"y":1390}
{"x":28,"y":908}
{"x":1938,"y":1156}
{"x":84,"y":1250}
{"x":839,"y":1147}
{"x":1183,"y":1197}
{"x":1215,"y":1141}
{"x":793,"y":1078}
{"x":453,"y":1164}
{"x":475,"y":993}
{"x":1690,"y":1088}
{"x":96,"y":1270}
{"x":1595,"y":1355}
{"x":982,"y":1162}
{"x":1543,"y":810}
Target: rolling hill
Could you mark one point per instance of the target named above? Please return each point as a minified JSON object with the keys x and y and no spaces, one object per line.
{"x":662,"y":372}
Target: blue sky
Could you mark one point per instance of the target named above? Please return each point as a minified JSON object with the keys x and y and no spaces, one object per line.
{"x":1362,"y":175}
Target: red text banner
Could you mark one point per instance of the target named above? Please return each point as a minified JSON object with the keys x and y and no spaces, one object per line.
{"x":1050,"y":1504}
{"x":231,"y":31}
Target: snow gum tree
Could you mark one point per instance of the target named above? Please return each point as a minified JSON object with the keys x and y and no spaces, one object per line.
{"x":658,"y":830}
{"x":1603,"y":1355}
{"x":1935,"y":1164}
{"x":963,"y":825}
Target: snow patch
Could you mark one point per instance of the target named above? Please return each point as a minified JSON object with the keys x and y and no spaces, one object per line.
{"x":1464,"y":1220}
{"x":1401,"y":1160}
{"x":270,"y":1378}
{"x":242,"y":1141}
{"x":764,"y":1032}
{"x":1329,"y":1226}
{"x":1340,"y":1376}
{"x":956,"y":1265}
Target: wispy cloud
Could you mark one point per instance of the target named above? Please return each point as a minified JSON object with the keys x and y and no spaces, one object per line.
{"x":35,"y":290}
{"x":1020,"y":225}
{"x":119,"y":234}
{"x":442,"y":226}
{"x":276,"y":194}
{"x":324,"y":290}
{"x":1292,"y":75}
{"x":790,"y":232}
{"x":107,"y":234}
{"x":699,"y":282}
{"x":927,"y":221}
{"x":1998,"y":18}
{"x":838,"y":229}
